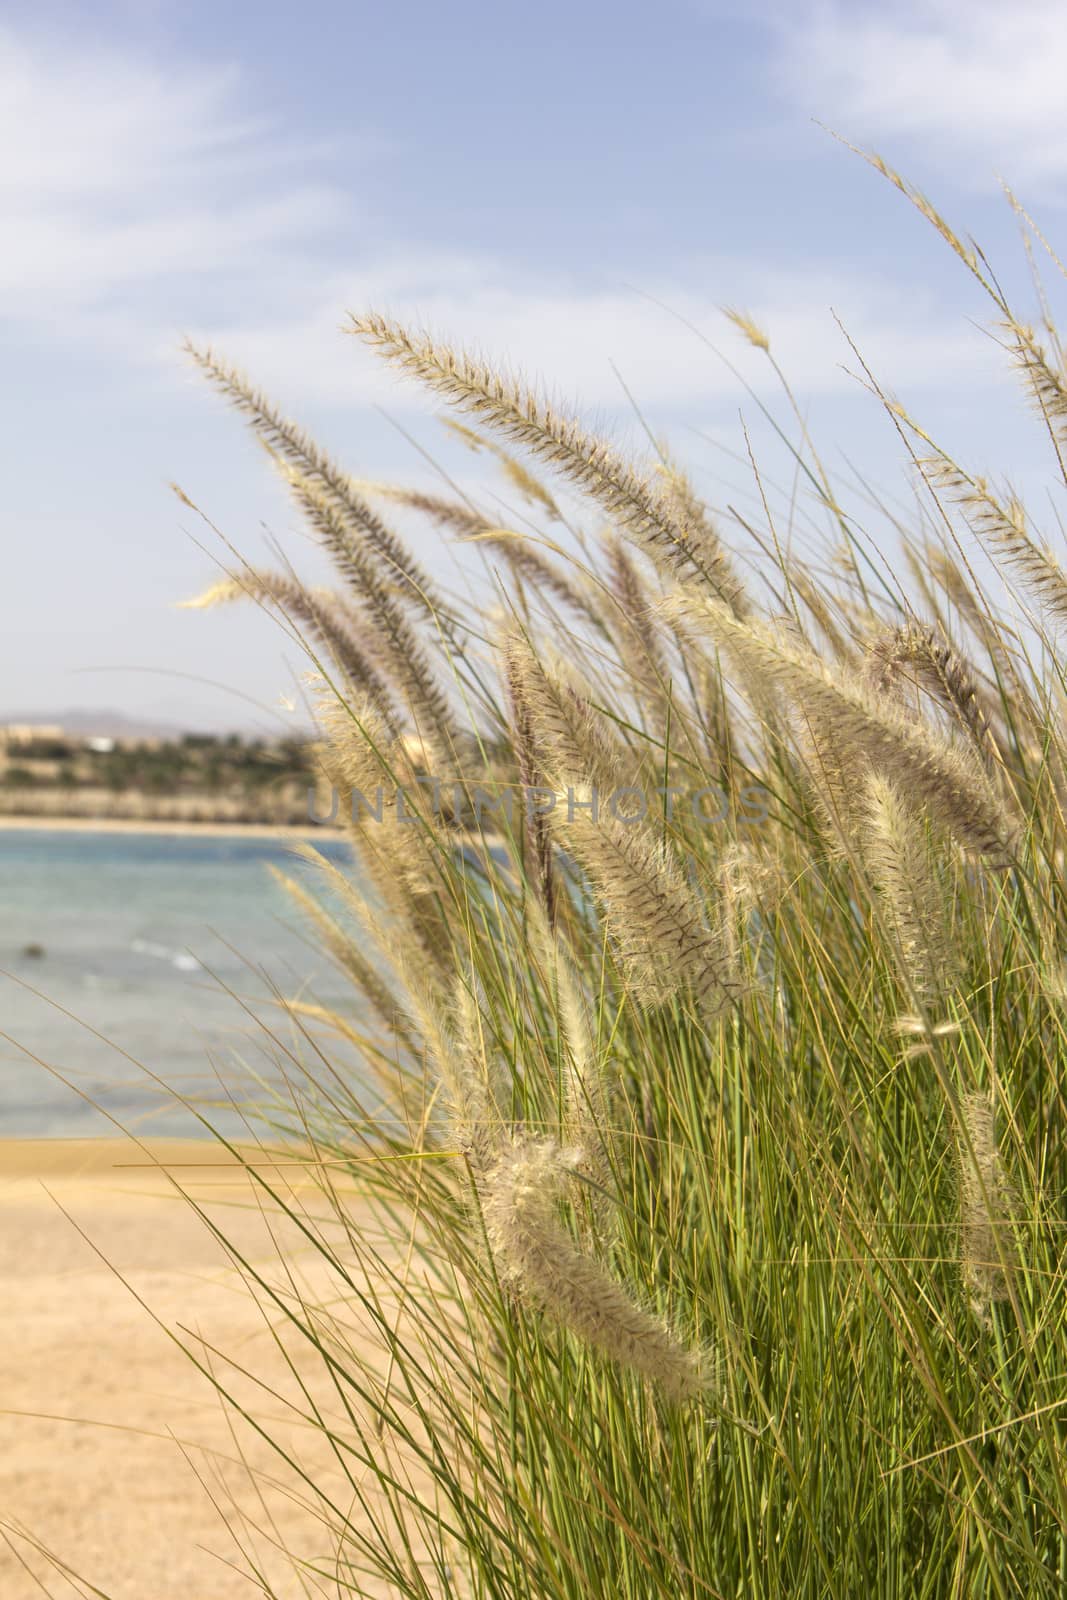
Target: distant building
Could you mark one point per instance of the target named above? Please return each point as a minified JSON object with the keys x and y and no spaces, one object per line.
{"x":20,"y":733}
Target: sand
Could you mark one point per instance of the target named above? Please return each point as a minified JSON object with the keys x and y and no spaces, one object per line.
{"x":222,"y":830}
{"x":105,"y":1423}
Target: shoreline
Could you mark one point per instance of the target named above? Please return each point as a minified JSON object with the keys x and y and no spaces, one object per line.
{"x":237,"y":830}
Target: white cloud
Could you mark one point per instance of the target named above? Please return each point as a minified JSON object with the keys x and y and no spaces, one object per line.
{"x":94,"y":123}
{"x":141,"y":202}
{"x":573,"y":336}
{"x":973,"y":82}
{"x":117,"y":175}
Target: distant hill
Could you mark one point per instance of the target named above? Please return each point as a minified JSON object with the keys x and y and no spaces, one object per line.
{"x":95,"y":722}
{"x":100,"y":724}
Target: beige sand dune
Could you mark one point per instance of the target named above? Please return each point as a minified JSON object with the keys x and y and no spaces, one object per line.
{"x":97,"y":1396}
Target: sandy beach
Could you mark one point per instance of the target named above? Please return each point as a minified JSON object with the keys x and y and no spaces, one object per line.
{"x":223,"y":830}
{"x":115,"y":1454}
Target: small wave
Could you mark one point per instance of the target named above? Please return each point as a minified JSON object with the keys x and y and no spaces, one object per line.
{"x":161,"y":952}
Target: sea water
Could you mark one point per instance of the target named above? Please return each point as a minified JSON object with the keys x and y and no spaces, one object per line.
{"x":137,"y":965}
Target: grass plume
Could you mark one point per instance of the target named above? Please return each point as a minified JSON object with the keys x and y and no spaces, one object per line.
{"x":703,"y":1072}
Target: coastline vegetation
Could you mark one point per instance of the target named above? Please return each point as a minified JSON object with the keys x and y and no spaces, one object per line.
{"x":194,"y":778}
{"x":725,"y":1165}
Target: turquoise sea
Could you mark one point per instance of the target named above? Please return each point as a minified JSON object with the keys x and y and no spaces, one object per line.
{"x":117,"y":945}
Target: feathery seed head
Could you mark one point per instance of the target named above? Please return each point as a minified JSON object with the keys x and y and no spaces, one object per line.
{"x":538,"y":1257}
{"x":749,"y":327}
{"x":988,"y":1205}
{"x":660,"y":527}
{"x":907,"y":751}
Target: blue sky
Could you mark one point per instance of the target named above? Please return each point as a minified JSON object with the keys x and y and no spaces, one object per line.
{"x":529,"y":179}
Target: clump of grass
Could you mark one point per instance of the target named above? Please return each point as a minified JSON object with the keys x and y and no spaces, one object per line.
{"x":679,"y":1110}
